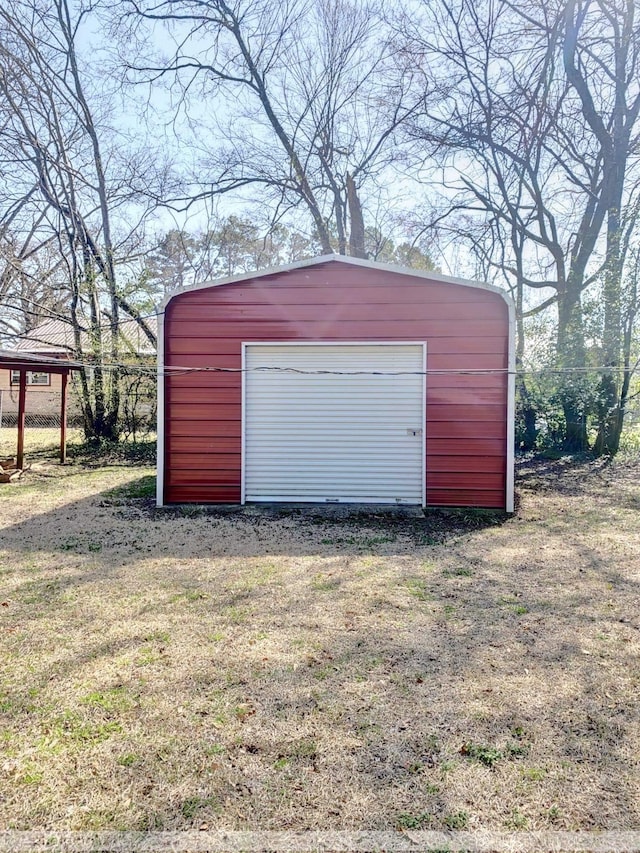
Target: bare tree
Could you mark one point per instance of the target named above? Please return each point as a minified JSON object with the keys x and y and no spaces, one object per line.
{"x":303,"y":96}
{"x":534,"y":124}
{"x":32,"y":288}
{"x":53,"y":141}
{"x":601,"y":58}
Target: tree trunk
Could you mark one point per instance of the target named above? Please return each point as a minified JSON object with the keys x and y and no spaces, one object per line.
{"x":529,"y":414}
{"x":573,"y":379}
{"x":356,"y":232}
{"x":610,"y":414}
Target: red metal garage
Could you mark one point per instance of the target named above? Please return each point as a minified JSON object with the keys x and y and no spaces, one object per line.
{"x":337,"y":380}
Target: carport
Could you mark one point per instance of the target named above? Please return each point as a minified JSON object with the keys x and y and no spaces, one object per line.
{"x":23,"y":363}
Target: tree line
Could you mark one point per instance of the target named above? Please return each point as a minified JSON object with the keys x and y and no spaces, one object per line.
{"x":153,"y":144}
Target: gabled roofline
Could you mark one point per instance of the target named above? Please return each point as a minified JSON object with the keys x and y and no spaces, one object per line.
{"x":343,"y":259}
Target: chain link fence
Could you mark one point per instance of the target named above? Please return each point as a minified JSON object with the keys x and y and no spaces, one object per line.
{"x":42,"y":409}
{"x":137,"y":411}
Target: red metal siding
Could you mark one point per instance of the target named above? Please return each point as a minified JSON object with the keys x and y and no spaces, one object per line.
{"x":465,"y":328}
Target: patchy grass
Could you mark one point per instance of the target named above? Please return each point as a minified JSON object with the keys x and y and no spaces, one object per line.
{"x":42,"y":444}
{"x":142,"y":489}
{"x":302,"y":669}
{"x":39,"y":442}
{"x":490,"y":755}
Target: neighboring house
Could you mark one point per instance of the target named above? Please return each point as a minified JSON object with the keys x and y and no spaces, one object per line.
{"x":43,"y":389}
{"x":337,"y":380}
{"x":55,"y":339}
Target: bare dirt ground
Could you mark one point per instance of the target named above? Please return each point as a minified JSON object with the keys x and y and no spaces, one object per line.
{"x":293,"y":670}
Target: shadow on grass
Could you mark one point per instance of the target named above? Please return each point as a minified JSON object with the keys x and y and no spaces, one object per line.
{"x":443,"y":660}
{"x":99,"y":454}
{"x":428,"y":527}
{"x":564,"y":473}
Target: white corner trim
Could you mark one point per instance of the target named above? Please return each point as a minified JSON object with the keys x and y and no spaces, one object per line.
{"x":343,"y":259}
{"x":160,"y":424}
{"x":511,"y":411}
{"x":424,"y":425}
{"x":243,"y":425}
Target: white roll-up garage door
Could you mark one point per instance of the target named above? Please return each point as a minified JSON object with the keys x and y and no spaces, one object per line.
{"x":352,"y":434}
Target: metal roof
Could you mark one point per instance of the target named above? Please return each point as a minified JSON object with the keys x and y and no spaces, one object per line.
{"x":428,"y":275}
{"x":57,"y":336}
{"x":12,"y":360}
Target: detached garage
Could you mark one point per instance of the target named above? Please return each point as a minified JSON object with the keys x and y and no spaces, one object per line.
{"x":337,"y":380}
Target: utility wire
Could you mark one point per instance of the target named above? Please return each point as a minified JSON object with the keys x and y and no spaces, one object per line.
{"x":499,"y":371}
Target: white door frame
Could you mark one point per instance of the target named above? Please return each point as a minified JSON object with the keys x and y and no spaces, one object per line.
{"x":246,"y":344}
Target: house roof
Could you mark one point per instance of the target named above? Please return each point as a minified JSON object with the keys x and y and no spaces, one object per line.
{"x":56,"y":336}
{"x":347,"y":260}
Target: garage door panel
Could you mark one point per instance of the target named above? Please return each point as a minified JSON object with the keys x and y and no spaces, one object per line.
{"x":349,"y":435}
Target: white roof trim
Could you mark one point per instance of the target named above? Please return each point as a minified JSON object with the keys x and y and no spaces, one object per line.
{"x":343,"y":259}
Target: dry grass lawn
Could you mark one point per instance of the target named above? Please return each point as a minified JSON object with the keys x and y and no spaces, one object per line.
{"x":292,"y":670}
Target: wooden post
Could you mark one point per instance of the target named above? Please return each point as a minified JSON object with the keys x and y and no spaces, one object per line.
{"x":22,"y":398}
{"x":63,"y":418}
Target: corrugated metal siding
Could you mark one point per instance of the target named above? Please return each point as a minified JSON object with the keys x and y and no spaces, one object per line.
{"x":465,"y":328}
{"x":334,"y":436}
